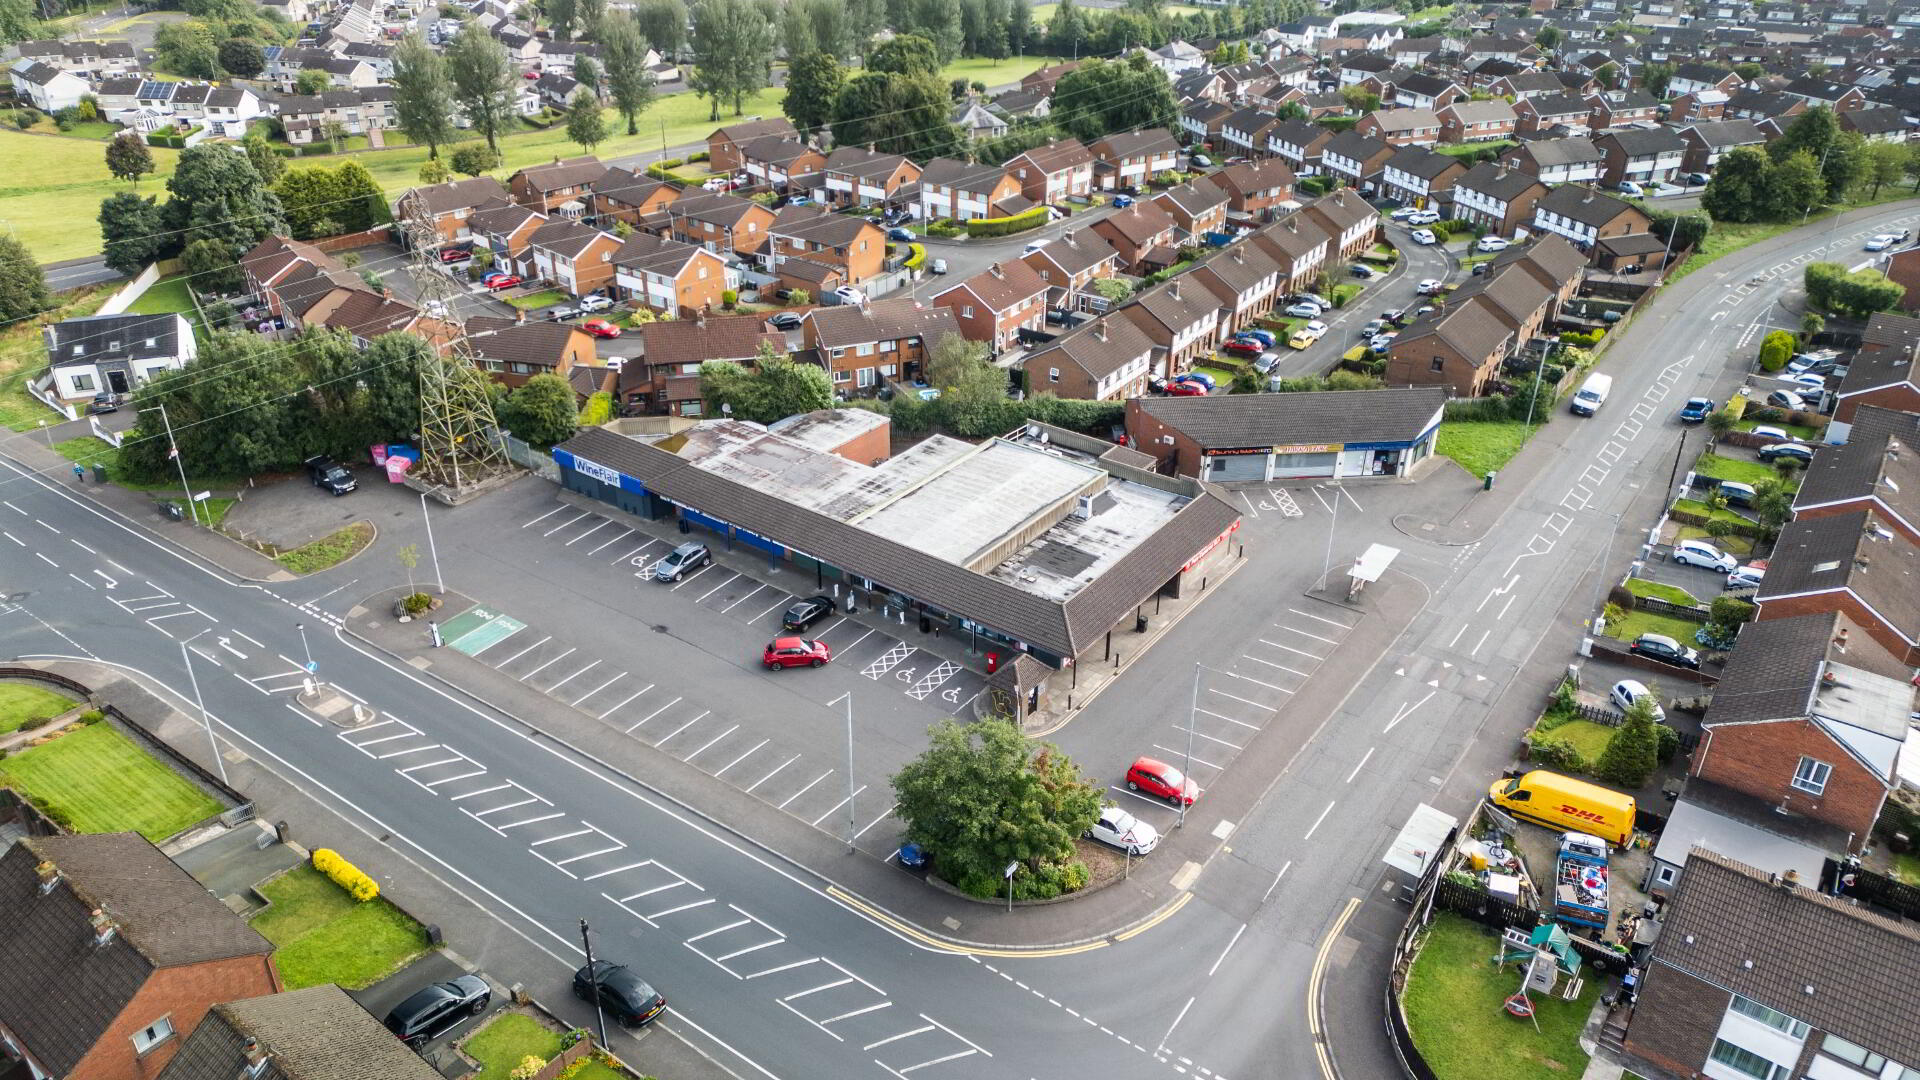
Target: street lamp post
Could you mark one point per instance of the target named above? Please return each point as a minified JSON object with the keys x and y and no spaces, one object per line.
{"x":1326,"y":567}
{"x":186,"y":657}
{"x":431,"y":548}
{"x":302,"y":627}
{"x":850,"y":789}
{"x":1186,"y":772}
{"x":600,"y":1014}
{"x":173,"y":451}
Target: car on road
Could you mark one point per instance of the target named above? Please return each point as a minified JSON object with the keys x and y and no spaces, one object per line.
{"x":595,"y":302}
{"x":329,"y":475}
{"x":1120,"y":829}
{"x":454,"y":255}
{"x":1695,"y":410}
{"x":1883,"y":241}
{"x":1303,"y":338}
{"x":1428,"y":286}
{"x":1798,"y":451}
{"x":1664,"y":649}
{"x":625,"y":996}
{"x":1305,"y":309}
{"x":432,"y":1011}
{"x":563,"y":313}
{"x":1161,"y":780}
{"x":805,"y":612}
{"x":1701,"y":553}
{"x":784,"y":320}
{"x":1197,"y":378}
{"x":688,"y":556}
{"x":1423,"y":217}
{"x":786,"y":652}
{"x":1627,"y":691}
{"x":496,"y":282}
{"x":1262,"y":336}
{"x":1425,"y":236}
{"x":1787,"y":399}
{"x":1121,"y":202}
{"x":939,"y":267}
{"x":1372,"y":327}
{"x":1314,"y":327}
{"x":600,"y":328}
{"x":1363,"y":271}
{"x":1492,"y":243}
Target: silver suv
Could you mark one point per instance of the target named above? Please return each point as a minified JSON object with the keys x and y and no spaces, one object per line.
{"x":688,"y":556}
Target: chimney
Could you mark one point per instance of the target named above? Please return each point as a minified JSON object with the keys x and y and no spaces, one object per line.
{"x":49,"y":875}
{"x":103,"y":927}
{"x":256,"y":1055}
{"x":1173,"y":289}
{"x":997,"y":272}
{"x":1100,"y":331}
{"x":1840,"y":640}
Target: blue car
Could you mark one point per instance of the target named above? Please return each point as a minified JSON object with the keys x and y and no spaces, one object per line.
{"x":1695,"y":410}
{"x":1122,"y":201}
{"x":1261,"y":336}
{"x":1196,"y":378}
{"x":905,"y":236}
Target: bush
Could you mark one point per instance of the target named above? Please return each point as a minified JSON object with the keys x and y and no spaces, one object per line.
{"x":946,"y":227}
{"x":1315,"y":185}
{"x":346,"y":875}
{"x":698,"y":155}
{"x":1558,"y":754}
{"x":1344,"y":293}
{"x":729,"y":299}
{"x":598,"y":411}
{"x":318,"y":149}
{"x":673,"y":163}
{"x":91,"y":717}
{"x":916,"y":256}
{"x":1669,"y":741}
{"x":1775,"y":350}
{"x":1583,"y":339}
{"x":415,"y":603}
{"x":286,"y":151}
{"x":1007,"y":226}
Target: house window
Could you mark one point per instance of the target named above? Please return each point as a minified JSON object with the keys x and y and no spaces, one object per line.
{"x":1439,"y":363}
{"x":841,"y":376}
{"x":1773,"y":1018}
{"x":888,"y":371}
{"x":1745,"y":1062}
{"x":82,"y":382}
{"x":152,"y":1035}
{"x":1053,"y":374}
{"x":1852,"y":1054}
{"x":864,"y":349}
{"x":865,"y":377}
{"x":1811,"y":776}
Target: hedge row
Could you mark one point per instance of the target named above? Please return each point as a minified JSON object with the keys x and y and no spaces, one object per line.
{"x":345,"y":874}
{"x":1584,"y":339}
{"x":1006,"y":226}
{"x":916,"y":256}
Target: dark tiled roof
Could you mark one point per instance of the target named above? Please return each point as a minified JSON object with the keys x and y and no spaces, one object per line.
{"x":647,"y":253}
{"x":1056,"y":156}
{"x":1128,"y":144}
{"x":1470,"y":328}
{"x":314,"y":1034}
{"x":1238,"y":269}
{"x":1582,"y":204}
{"x":1730,"y":926}
{"x":1357,"y":147}
{"x":1252,"y":176}
{"x":882,"y":320}
{"x":1719,"y":134}
{"x":1002,"y":286}
{"x":1422,"y":162}
{"x":748,"y":130}
{"x":780,"y":150}
{"x":860,"y":162}
{"x":692,"y":341}
{"x":1645,"y":142}
{"x":568,"y":238}
{"x":816,"y":225}
{"x":1194,"y":200}
{"x":1345,"y":416}
{"x":1558,"y":105}
{"x":1099,"y":348}
{"x":1849,"y":551}
{"x":1139,"y":223}
{"x":1867,"y":467}
{"x":540,"y":343}
{"x":1301,"y":133}
{"x":1875,"y":422}
{"x":628,"y":187}
{"x":1548,"y":153}
{"x":1172,"y":305}
{"x":961,"y":175}
{"x":567,"y":172}
{"x":1424,"y":84}
{"x":1772,"y":675}
{"x":1498,"y":181}
{"x":1074,"y":251}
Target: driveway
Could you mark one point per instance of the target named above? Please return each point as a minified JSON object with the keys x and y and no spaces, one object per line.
{"x":396,"y":270}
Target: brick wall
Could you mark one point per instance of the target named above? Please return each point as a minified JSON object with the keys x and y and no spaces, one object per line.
{"x":182,"y":995}
{"x":1759,"y":759}
{"x":1903,"y":398}
{"x":1674,"y":1020}
{"x":1144,"y":433}
{"x":1821,"y":603}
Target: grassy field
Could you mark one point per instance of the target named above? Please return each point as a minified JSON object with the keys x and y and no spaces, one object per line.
{"x":1453,"y":1005}
{"x":328,"y":551}
{"x":21,"y":702}
{"x":170,"y":294}
{"x":321,"y":935}
{"x":1646,"y":622}
{"x":52,"y":190}
{"x":1672,"y":594}
{"x":1725,"y":239}
{"x":99,"y":780}
{"x":1482,"y":446}
{"x":994,"y":73}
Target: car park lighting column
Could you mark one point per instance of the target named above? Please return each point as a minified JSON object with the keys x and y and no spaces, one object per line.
{"x":431,"y":548}
{"x":1186,"y":770}
{"x":593,"y":979}
{"x":852,"y":833}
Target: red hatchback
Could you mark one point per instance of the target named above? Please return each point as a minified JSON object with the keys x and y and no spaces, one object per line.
{"x":1163,"y":780}
{"x":453,"y":255}
{"x":600,"y":328}
{"x":504,"y":281}
{"x":789,"y":652}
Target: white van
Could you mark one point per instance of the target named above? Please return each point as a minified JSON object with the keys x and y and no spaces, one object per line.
{"x":1591,"y":395}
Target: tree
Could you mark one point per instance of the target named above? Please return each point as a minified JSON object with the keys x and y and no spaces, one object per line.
{"x":422,"y":95}
{"x":1865,"y":292}
{"x":796,"y":31}
{"x":484,"y":84}
{"x":1655,"y":77}
{"x":1812,"y":131}
{"x":128,"y":157}
{"x":984,"y":797}
{"x":591,"y":13}
{"x":906,"y":54}
{"x":1359,"y":99}
{"x":1884,"y":163}
{"x":561,"y":15}
{"x":265,"y":162}
{"x":585,"y":71}
{"x":1679,"y":231}
{"x":212,"y":266}
{"x":188,"y":48}
{"x":813,"y":81}
{"x":1772,"y":503}
{"x":542,"y":410}
{"x":474,"y":159}
{"x":1794,"y":186}
{"x":23,"y":287}
{"x":307,"y":197}
{"x":1548,"y":38}
{"x":434,"y":171}
{"x":586,"y":123}
{"x":1738,"y":187}
{"x":1633,"y":752}
{"x":216,"y":194}
{"x":310,"y":83}
{"x":1020,"y":35}
{"x":1748,"y":72}
{"x":1100,"y":97}
{"x":242,"y":57}
{"x":1066,"y":30}
{"x":361,"y":204}
{"x":896,"y":114}
{"x":131,"y":231}
{"x":663,"y":23}
{"x":939,"y":22}
{"x":19,"y":21}
{"x":1112,"y":289}
{"x":732,"y":50}
{"x":1775,"y":350}
{"x":775,"y":388}
{"x":629,"y":80}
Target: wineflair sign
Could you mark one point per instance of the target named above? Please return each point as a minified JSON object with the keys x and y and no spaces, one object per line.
{"x":1295,"y":448}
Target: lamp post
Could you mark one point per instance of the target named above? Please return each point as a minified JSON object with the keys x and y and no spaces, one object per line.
{"x":433,"y":550}
{"x":186,"y":658}
{"x":1186,"y":771}
{"x":173,"y":451}
{"x":1326,"y":567}
{"x":850,"y":788}
{"x":600,"y":1014}
{"x":302,"y":627}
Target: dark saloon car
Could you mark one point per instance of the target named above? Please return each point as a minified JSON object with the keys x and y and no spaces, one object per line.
{"x":804,"y":613}
{"x":625,"y":996}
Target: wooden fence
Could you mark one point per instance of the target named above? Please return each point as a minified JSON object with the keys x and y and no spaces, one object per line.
{"x":1868,"y":887}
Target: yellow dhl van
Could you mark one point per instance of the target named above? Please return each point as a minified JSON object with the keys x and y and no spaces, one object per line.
{"x":1561,"y":802}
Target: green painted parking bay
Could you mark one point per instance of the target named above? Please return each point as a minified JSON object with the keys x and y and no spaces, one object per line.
{"x":473,"y":630}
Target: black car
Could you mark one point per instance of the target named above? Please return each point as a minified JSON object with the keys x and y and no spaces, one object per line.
{"x":625,"y":996}
{"x":432,"y":1011}
{"x":103,"y":403}
{"x":784,"y":320}
{"x":804,"y":613}
{"x":1666,"y":650}
{"x":330,"y":475}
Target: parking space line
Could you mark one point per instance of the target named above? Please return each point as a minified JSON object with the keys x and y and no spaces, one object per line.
{"x":1241,"y":700}
{"x":703,"y":749}
{"x":457,"y":756}
{"x":904,"y":1034}
{"x":616,"y":708}
{"x":1183,"y":754}
{"x":858,"y":1012}
{"x":529,"y":821}
{"x":736,"y":603}
{"x":1209,"y":738}
{"x":545,"y":516}
{"x":597,"y":689}
{"x":572,"y":677}
{"x":1228,"y":719}
{"x":784,"y":967}
{"x":741,"y":758}
{"x":649,"y":919}
{"x":1256,"y":682}
{"x":717,"y":588}
{"x":617,"y":870}
{"x":844,"y":799}
{"x":634,"y":552}
{"x":566,"y":523}
{"x":617,"y":846}
{"x":482,"y":791}
{"x":806,"y":789}
{"x":413,"y":750}
{"x":1137,"y":795}
{"x":451,"y":779}
{"x":717,"y":930}
{"x":522,"y":652}
{"x":784,"y":597}
{"x":548,"y":664}
{"x":683,"y":727}
{"x":1291,"y":649}
{"x":876,"y":821}
{"x":1322,"y":618}
{"x":604,"y":522}
{"x":770,"y":775}
{"x":615,"y":540}
{"x":655,"y":713}
{"x":1303,"y":633}
{"x":1270,"y":663}
{"x":562,"y":836}
{"x":694,"y":578}
{"x":848,"y":647}
{"x":822,"y":635}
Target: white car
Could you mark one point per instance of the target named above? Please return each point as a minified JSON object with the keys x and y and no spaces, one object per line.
{"x":1422,"y":217}
{"x":1304,"y":310}
{"x":1402,"y":213}
{"x":1701,"y":553}
{"x":1379,"y":342}
{"x":1818,"y":382}
{"x":1491,"y":243}
{"x":1746,"y":577}
{"x":1774,"y":433}
{"x":1035,"y":246}
{"x":850,"y":295}
{"x":1425,"y":236}
{"x":1428,"y":286}
{"x":1315,"y":327}
{"x":1883,"y":241}
{"x":1124,"y":831}
{"x":1627,"y":691}
{"x":595,"y":302}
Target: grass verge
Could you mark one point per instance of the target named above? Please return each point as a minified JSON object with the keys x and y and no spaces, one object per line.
{"x":500,"y":1046}
{"x":322,"y":936}
{"x":1453,"y":1006}
{"x":98,"y":780}
{"x":1745,"y":472}
{"x":1672,"y":594}
{"x":1481,"y":447}
{"x":328,"y":551}
{"x":1589,"y":738}
{"x":1695,"y":506}
{"x":21,"y":702}
{"x":1725,"y":239}
{"x":23,"y":353}
{"x":1647,"y":622}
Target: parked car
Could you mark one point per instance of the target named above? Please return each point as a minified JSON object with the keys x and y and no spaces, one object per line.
{"x":1120,"y":829}
{"x":1196,"y":377}
{"x":1492,"y":243}
{"x":329,"y":475}
{"x":1423,"y":217}
{"x":1121,"y":202}
{"x":1815,"y":363}
{"x":1695,"y":410}
{"x":1627,"y":187}
{"x":1243,"y":347}
{"x":1314,"y":327}
{"x":904,"y":236}
{"x":600,"y":328}
{"x":1159,"y":779}
{"x":1808,"y":379}
{"x":1696,"y":179}
{"x":502,"y":281}
{"x":1737,"y":493}
{"x":1701,"y":553}
{"x":432,"y":1011}
{"x":454,"y":255}
{"x":1768,"y":432}
{"x":784,"y":320}
{"x":1363,"y":271}
{"x":1746,"y":577}
{"x":939,"y":267}
{"x":1480,"y":268}
{"x":103,"y":402}
{"x":1034,"y":246}
{"x":1627,"y":691}
{"x":562,"y":313}
{"x":1798,"y":451}
{"x":1264,"y":337}
{"x":1428,"y":286}
{"x":1372,"y":327}
{"x":1425,"y":236}
{"x":1176,"y":388}
{"x":1380,"y":342}
{"x":1787,"y":399}
{"x":1402,"y":213}
{"x":595,"y":302}
{"x":804,"y":613}
{"x":786,"y":652}
{"x":1304,"y":310}
{"x":1313,"y":298}
{"x":1302,"y":338}
{"x":625,"y":996}
{"x":688,"y":556}
{"x":1200,"y":160}
{"x":1664,"y":649}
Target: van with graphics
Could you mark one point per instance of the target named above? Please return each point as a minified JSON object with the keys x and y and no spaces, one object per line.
{"x":1563,"y":803}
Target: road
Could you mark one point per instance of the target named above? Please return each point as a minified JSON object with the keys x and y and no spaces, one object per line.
{"x":774,"y":972}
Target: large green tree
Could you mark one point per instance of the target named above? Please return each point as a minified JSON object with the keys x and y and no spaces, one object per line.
{"x":561,"y":15}
{"x":1794,"y":187}
{"x":1738,"y":190}
{"x":981,"y":797}
{"x":1067,"y":30}
{"x":265,"y":161}
{"x":1884,"y":163}
{"x":1633,"y":752}
{"x":542,"y":411}
{"x":813,"y":81}
{"x":242,"y":57}
{"x":663,"y":23}
{"x":586,"y":121}
{"x":939,"y":22}
{"x":311,"y":82}
{"x":629,"y":80}
{"x":1100,"y":97}
{"x":128,"y":157}
{"x":190,"y":49}
{"x":484,"y":84}
{"x":20,"y":21}
{"x":896,"y":114}
{"x":732,"y":50}
{"x":422,"y":94}
{"x":217,"y":194}
{"x":23,"y":287}
{"x":905,"y":54}
{"x":773,"y":389}
{"x":132,"y":231}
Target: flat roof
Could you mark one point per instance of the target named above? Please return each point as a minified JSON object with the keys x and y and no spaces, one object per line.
{"x":1076,"y":550}
{"x":829,"y":429}
{"x":1691,"y":825}
{"x":961,"y":511}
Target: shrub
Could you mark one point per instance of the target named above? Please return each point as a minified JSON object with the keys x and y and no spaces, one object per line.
{"x":1775,"y":350}
{"x":344,"y":874}
{"x":673,"y":163}
{"x":91,"y":717}
{"x":1669,"y":741}
{"x":286,"y":151}
{"x":415,"y":603}
{"x":916,"y":256}
{"x":698,"y":155}
{"x":1558,"y":754}
{"x":1583,"y":339}
{"x":1006,"y":226}
{"x":599,"y":410}
{"x":729,"y":299}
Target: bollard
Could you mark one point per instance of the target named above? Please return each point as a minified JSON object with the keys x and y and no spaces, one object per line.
{"x":433,"y":628}
{"x":1488,"y":484}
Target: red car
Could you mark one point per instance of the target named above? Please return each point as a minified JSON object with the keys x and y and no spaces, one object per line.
{"x":1183,"y":389}
{"x":1163,"y":780}
{"x":504,"y":281}
{"x":600,"y":328}
{"x":1243,"y":345}
{"x":789,"y":652}
{"x":453,"y":255}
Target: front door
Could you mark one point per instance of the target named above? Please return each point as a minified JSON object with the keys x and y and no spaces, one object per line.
{"x":117,"y":381}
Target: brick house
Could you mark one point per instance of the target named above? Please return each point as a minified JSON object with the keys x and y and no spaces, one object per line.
{"x":505,"y":229}
{"x":1536,"y":114}
{"x":1619,"y":108}
{"x":1197,"y":208}
{"x":110,"y":955}
{"x":1557,"y":161}
{"x":964,"y":191}
{"x":1877,"y":472}
{"x":631,"y":197}
{"x":1070,"y":263}
{"x":577,"y":258}
{"x":778,"y":161}
{"x":1254,"y":188}
{"x":1852,"y":563}
{"x":1459,"y":347}
{"x":1356,"y":158}
{"x":1517,"y":299}
{"x":996,"y":304}
{"x":1476,"y":121}
{"x":1697,"y":106}
{"x":1350,"y":223}
{"x":1550,"y":260}
{"x":1401,"y":127}
{"x":1688,"y":78}
{"x":512,"y":352}
{"x":1839,"y":97}
{"x":854,"y":245}
{"x":861,"y":345}
{"x":315,"y":1032}
{"x":1245,"y":278}
{"x":1300,"y":143}
{"x":1707,"y":140}
{"x":669,"y":276}
{"x":1140,"y":235}
{"x":719,"y":222}
{"x":1419,"y":90}
{"x":547,"y":188}
{"x":1496,"y":197}
{"x":1526,"y":84}
{"x":1129,"y":159}
{"x":1809,"y":718}
{"x":448,"y":205}
{"x":1759,"y":105}
{"x":1273,"y":436}
{"x":856,"y":176}
{"x":665,"y":380}
{"x":1181,"y":318}
{"x":1301,"y":247}
{"x":1417,"y":176}
{"x":1586,"y":216}
{"x":1903,"y":268}
{"x":1886,"y":370}
{"x":723,"y":145}
{"x":1108,"y":359}
{"x":1642,"y":156}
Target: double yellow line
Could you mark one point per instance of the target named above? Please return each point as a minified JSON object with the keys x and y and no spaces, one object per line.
{"x":1315,"y":1027}
{"x":914,"y":933}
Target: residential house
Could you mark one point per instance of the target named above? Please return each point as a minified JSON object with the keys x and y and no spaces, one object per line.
{"x":115,"y":354}
{"x":1021,"y":104}
{"x":1477,"y":121}
{"x":853,"y":245}
{"x":1254,"y":188}
{"x":1356,"y":158}
{"x":723,"y":224}
{"x":1839,"y":97}
{"x":577,"y":258}
{"x":1510,"y":49}
{"x":1520,"y":301}
{"x":1484,"y":73}
{"x":230,"y":109}
{"x":1620,"y":108}
{"x":1203,"y":118}
{"x":1641,"y":156}
{"x":862,"y":345}
{"x":725,"y":143}
{"x":1548,"y":111}
{"x":1142,"y":236}
{"x":1359,"y":68}
{"x":977,"y":120}
{"x":1586,"y":216}
{"x":1417,"y":176}
{"x":300,"y":284}
{"x":1758,"y":105}
{"x":665,"y":379}
{"x":1877,"y":472}
{"x":505,"y":229}
{"x":1557,"y":161}
{"x":1299,"y":143}
{"x":1877,"y":124}
{"x":1401,"y":127}
{"x":628,"y":196}
{"x":1692,"y":77}
{"x":1886,"y":370}
{"x":555,"y":90}
{"x":1245,"y":278}
{"x":1526,"y":84}
{"x":1245,"y":131}
{"x":1181,"y":318}
{"x":512,"y":352}
{"x":1054,"y":173}
{"x":357,"y":111}
{"x":1699,"y":105}
{"x":316,"y":1032}
{"x":565,"y":186}
{"x":1707,"y":141}
{"x":1459,"y":346}
{"x":1496,"y":197}
{"x":963,"y":191}
{"x":449,"y":205}
{"x":1419,"y":90}
{"x":110,"y":954}
{"x":87,"y":59}
{"x":1550,"y":260}
{"x":670,"y":276}
{"x":996,"y":304}
{"x":1069,"y":264}
{"x":1852,"y":563}
{"x":1350,"y":224}
{"x":855,"y":176}
{"x":1108,"y":359}
{"x":1043,"y":79}
{"x":48,"y":88}
{"x":1300,"y":245}
{"x":778,"y":161}
{"x":1198,"y":208}
{"x":1127,"y":160}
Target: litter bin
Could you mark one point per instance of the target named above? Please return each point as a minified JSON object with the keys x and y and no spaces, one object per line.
{"x":99,"y":472}
{"x":1139,"y":624}
{"x":173,"y":511}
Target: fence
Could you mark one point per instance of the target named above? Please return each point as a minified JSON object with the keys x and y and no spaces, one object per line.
{"x":1841,"y":879}
{"x":527,"y":457}
{"x":124,"y":297}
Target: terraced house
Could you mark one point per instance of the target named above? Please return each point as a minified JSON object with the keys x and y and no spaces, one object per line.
{"x":963,"y":190}
{"x":1127,"y":160}
{"x":854,"y":246}
{"x":669,"y":276}
{"x":996,"y":304}
{"x":1055,"y":172}
{"x":1496,"y":197}
{"x":1108,"y":359}
{"x":855,"y":176}
{"x":449,"y":205}
{"x":864,"y":344}
{"x":564,"y":186}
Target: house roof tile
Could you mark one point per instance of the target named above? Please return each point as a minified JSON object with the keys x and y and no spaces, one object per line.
{"x":1856,"y":552}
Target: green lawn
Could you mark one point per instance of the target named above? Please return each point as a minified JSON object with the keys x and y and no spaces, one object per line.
{"x":1725,"y":239}
{"x":1737,"y":546}
{"x":52,"y":189}
{"x":508,"y":1038}
{"x":322,"y":936}
{"x":1589,"y":738}
{"x":1803,"y":432}
{"x":1737,"y":469}
{"x":1453,"y":1005}
{"x":1646,"y":622}
{"x":1695,"y":506}
{"x":1481,"y":447}
{"x":170,"y":294}
{"x":544,"y":298}
{"x":1499,"y":146}
{"x":101,"y":781}
{"x":1672,"y":594}
{"x":328,"y":551}
{"x":21,"y":702}
{"x":994,"y":73}
{"x":1906,"y":867}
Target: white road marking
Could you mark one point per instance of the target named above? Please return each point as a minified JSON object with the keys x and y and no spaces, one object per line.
{"x":806,"y":789}
{"x":709,"y":743}
{"x":545,"y":516}
{"x":655,"y":713}
{"x":770,"y":775}
{"x":1364,"y":758}
{"x":1225,"y":951}
{"x":683,"y":727}
{"x":616,"y":708}
{"x":1317,"y":821}
{"x":741,"y":758}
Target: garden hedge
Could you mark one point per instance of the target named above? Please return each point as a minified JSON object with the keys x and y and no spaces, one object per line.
{"x":916,"y":256}
{"x":346,"y":875}
{"x":1007,"y":226}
